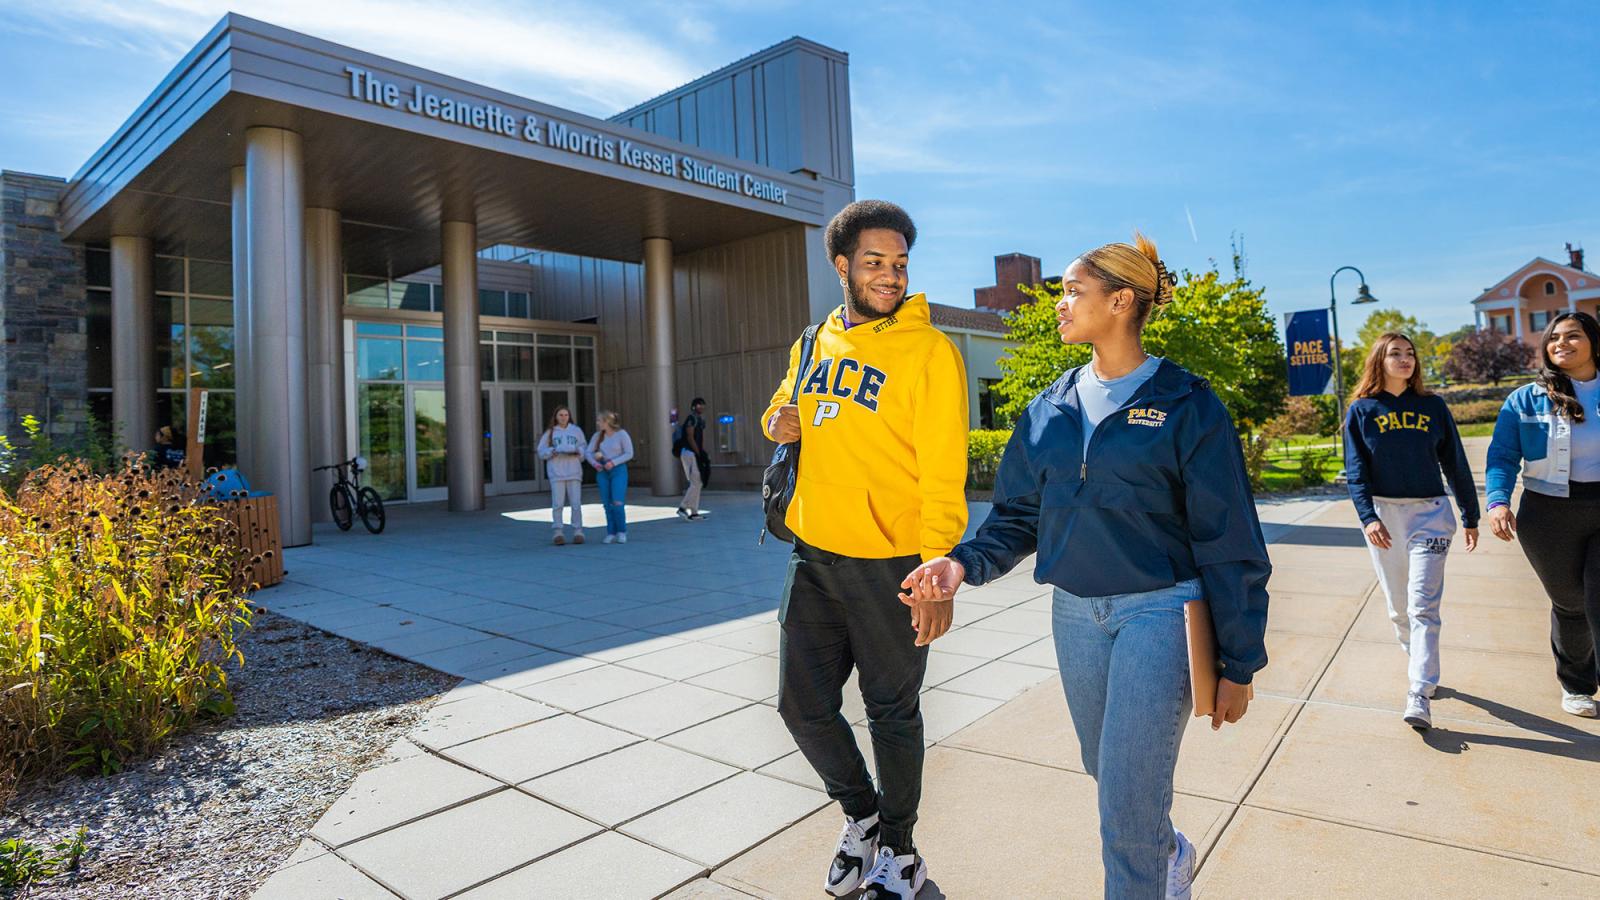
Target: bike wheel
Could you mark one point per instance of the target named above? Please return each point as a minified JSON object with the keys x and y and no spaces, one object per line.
{"x":340,"y":501}
{"x":371,"y":507}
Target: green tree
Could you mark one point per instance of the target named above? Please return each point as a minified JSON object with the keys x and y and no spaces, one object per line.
{"x":1383,"y":321}
{"x":1216,"y":328}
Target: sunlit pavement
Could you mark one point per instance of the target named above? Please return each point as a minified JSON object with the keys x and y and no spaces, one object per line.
{"x":617,"y":735}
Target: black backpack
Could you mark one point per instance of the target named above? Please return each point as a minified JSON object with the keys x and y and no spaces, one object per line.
{"x":778,"y":482}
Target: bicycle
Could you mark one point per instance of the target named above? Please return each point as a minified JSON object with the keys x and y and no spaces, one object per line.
{"x":346,"y":497}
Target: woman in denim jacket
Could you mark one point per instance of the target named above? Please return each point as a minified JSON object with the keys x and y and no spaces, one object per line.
{"x":1127,"y":478}
{"x":1551,"y":429}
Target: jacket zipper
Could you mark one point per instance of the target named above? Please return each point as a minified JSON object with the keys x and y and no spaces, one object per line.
{"x":1083,"y":468}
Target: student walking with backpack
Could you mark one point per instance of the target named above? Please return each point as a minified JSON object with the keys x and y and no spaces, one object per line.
{"x":562,"y":447}
{"x":1398,"y":438}
{"x":1551,"y":429}
{"x":1127,"y":479}
{"x":689,"y":446}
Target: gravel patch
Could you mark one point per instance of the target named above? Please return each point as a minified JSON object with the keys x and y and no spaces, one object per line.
{"x":217,"y":812}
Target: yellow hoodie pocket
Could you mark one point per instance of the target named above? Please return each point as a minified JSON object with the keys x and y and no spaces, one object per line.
{"x":837,"y":518}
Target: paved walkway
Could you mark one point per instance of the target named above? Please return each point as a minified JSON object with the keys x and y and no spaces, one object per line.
{"x":617,"y":736}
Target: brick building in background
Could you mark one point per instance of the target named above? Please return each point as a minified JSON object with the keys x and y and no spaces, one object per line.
{"x":1524,"y":302}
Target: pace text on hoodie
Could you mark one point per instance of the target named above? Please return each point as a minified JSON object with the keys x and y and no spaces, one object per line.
{"x":1396,"y":447}
{"x":883,"y":437}
{"x":1160,"y":496}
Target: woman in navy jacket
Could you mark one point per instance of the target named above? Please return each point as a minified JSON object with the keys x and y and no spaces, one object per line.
{"x":1127,"y":478}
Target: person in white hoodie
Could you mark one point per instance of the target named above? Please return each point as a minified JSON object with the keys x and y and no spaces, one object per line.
{"x":562,"y":448}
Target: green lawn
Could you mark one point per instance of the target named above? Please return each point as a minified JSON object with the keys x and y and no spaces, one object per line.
{"x":1477,"y":429}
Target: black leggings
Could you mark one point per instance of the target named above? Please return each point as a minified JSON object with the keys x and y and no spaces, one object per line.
{"x":1561,"y":538}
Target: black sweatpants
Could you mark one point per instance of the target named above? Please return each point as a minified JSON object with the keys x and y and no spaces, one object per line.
{"x":1561,"y":538}
{"x":840,"y":612}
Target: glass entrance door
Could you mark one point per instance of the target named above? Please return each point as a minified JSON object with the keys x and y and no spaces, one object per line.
{"x":514,"y":427}
{"x":426,"y":413}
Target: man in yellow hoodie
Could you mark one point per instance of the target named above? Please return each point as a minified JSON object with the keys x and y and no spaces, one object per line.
{"x":882,"y":423}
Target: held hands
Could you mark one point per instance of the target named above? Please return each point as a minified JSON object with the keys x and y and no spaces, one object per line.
{"x":1232,"y":702}
{"x":932,"y":585}
{"x":1503,"y":523}
{"x":785,"y":424}
{"x":1378,"y":536}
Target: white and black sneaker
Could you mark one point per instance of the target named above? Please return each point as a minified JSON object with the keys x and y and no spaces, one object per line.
{"x":1180,"y":869}
{"x":1419,"y":714}
{"x":858,"y":848}
{"x":683,"y":514}
{"x":895,"y":877}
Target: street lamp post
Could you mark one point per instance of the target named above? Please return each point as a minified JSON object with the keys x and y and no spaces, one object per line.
{"x":1363,"y":295}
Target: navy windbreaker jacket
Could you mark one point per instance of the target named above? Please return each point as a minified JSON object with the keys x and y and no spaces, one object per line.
{"x":1162,"y":497}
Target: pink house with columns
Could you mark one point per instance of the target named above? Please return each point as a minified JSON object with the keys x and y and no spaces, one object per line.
{"x":1524,"y":302}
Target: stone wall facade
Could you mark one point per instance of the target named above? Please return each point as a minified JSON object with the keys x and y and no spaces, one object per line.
{"x":43,"y":306}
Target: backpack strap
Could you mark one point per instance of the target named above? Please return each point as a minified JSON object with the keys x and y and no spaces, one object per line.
{"x":808,"y":340}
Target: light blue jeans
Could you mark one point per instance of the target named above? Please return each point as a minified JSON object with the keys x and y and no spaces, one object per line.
{"x":613,"y":496}
{"x":1125,"y":667}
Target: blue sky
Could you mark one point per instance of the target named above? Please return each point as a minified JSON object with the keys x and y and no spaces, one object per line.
{"x":1435,"y":146}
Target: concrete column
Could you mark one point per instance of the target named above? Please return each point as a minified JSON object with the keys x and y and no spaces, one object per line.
{"x":463,"y":382}
{"x":242,"y":410}
{"x":1516,"y":319}
{"x":276,"y":386}
{"x":325,"y":349}
{"x":660,"y":356}
{"x":133,"y":343}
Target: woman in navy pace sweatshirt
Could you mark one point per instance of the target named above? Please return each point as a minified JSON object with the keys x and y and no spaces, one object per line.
{"x":1398,"y":437}
{"x":1127,"y":479}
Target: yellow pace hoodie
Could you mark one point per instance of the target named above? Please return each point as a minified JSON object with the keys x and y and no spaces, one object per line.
{"x":883,"y":438}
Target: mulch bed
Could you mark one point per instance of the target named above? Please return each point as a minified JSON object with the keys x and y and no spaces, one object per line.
{"x":221,"y":808}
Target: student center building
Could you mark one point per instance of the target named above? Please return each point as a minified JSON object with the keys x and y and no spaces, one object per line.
{"x":357,"y":256}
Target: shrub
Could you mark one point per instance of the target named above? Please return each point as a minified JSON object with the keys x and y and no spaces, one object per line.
{"x":1255,"y":458}
{"x":984,"y":449}
{"x":1476,"y":411}
{"x":1313,"y":466}
{"x":22,"y":863}
{"x":119,"y":598}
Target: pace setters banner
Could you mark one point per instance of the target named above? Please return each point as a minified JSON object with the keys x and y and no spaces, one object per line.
{"x":1310,"y":351}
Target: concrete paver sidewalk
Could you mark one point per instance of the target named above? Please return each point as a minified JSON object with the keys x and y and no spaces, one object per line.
{"x":617,"y":735}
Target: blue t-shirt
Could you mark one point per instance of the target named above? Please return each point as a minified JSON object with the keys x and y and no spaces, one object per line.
{"x":1586,"y":435}
{"x":1100,"y":397}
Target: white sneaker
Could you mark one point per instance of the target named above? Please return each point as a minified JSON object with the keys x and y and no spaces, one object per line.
{"x":895,"y":877}
{"x":610,"y":539}
{"x":622,"y":537}
{"x":1180,"y":869}
{"x":858,"y":847}
{"x":1419,"y":712}
{"x":1579,"y":705}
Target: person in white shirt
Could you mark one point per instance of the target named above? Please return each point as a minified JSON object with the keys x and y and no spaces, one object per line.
{"x":562,"y":448}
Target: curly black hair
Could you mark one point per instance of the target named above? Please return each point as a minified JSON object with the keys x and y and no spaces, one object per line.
{"x":844,"y":232}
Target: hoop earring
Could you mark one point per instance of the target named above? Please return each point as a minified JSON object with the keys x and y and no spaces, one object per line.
{"x":843,"y":283}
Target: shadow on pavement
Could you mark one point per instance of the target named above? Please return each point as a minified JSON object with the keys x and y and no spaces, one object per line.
{"x":1571,"y":743}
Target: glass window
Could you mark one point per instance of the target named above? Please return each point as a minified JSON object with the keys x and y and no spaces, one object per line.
{"x":517,"y":305}
{"x":491,"y":303}
{"x":424,"y":360}
{"x":1549,"y":288}
{"x":586,"y":411}
{"x":207,"y":277}
{"x":556,"y":340}
{"x":485,"y":335}
{"x":584,"y":360}
{"x":583,"y":340}
{"x":97,"y":267}
{"x":378,"y":358}
{"x":222,"y":443}
{"x":513,"y":337}
{"x":425,"y":331}
{"x":211,"y":343}
{"x":381,"y":412}
{"x":361,"y":290}
{"x":373,"y":329}
{"x":172,"y":408}
{"x":98,"y":322}
{"x":555,"y":363}
{"x":169,"y":274}
{"x":486,"y":362}
{"x":515,"y":362}
{"x":409,"y":295}
{"x":169,"y":342}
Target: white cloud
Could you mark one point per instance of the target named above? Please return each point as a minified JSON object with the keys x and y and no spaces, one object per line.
{"x":584,"y":55}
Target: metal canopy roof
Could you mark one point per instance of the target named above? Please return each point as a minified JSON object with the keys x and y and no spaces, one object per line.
{"x":394,"y":175}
